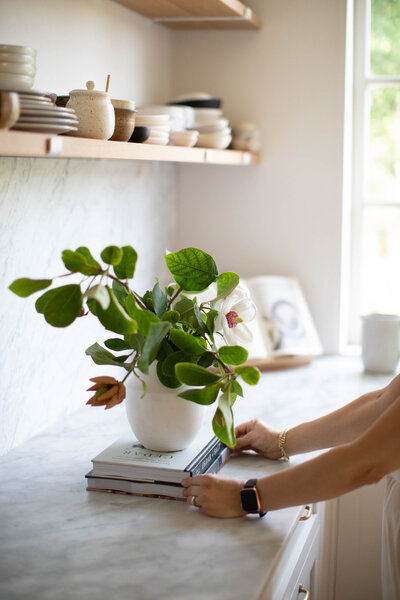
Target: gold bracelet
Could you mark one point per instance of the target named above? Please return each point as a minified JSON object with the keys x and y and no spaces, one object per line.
{"x":281,"y":444}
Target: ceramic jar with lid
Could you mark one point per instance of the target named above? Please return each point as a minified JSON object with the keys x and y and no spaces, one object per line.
{"x":95,"y":112}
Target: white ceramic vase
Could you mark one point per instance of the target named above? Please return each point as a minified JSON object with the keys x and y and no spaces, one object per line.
{"x":161,"y":420}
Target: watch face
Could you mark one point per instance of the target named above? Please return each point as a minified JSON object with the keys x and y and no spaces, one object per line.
{"x":249,"y":500}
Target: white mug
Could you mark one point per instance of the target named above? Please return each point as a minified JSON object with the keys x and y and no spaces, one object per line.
{"x":380,"y":342}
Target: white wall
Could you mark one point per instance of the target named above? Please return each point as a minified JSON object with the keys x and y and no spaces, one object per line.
{"x":283,"y":216}
{"x":49,"y":205}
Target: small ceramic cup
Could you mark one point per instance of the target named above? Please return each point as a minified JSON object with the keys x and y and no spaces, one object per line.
{"x":380,"y":342}
{"x":125,"y":114}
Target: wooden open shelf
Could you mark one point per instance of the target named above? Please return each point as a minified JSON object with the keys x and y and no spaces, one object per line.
{"x":196,"y":14}
{"x":39,"y":145}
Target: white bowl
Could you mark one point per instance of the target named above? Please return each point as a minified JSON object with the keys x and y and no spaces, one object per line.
{"x":9,"y":81}
{"x":211,"y":140}
{"x":17,"y":68}
{"x":184,"y":138}
{"x":213,"y":127}
{"x":24,"y":59}
{"x":159,"y":129}
{"x":17,"y":49}
{"x":157,"y":141}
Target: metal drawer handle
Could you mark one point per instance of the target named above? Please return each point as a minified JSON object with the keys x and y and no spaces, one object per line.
{"x":308,"y":515}
{"x":304,"y":591}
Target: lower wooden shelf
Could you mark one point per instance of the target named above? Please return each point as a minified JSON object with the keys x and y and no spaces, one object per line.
{"x":40,"y":145}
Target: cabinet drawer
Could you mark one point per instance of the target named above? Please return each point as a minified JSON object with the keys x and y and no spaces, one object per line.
{"x":296,"y":561}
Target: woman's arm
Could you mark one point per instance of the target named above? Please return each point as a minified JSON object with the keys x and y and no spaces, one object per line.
{"x":340,"y":470}
{"x":336,"y":428}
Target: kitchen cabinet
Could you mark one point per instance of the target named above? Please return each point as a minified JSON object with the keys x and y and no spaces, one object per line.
{"x":207,"y":14}
{"x":21,"y":143}
{"x":295,"y":574}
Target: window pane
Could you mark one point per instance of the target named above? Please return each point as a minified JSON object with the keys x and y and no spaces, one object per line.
{"x":385,"y":39}
{"x":383,"y":172}
{"x":381,"y":260}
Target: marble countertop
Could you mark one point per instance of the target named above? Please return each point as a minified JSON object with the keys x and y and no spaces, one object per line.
{"x":60,"y":542}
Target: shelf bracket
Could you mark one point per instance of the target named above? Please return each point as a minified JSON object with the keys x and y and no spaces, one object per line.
{"x":54,"y":146}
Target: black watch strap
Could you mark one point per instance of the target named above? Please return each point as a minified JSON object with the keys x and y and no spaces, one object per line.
{"x":250,"y":498}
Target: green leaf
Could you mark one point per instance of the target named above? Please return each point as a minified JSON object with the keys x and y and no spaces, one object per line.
{"x":233,"y":355}
{"x":237,"y":388}
{"x":167,"y":380}
{"x":226,"y":283}
{"x":117,"y":344}
{"x":250,"y":375}
{"x":184,"y":305}
{"x":101,"y":356}
{"x":144,"y":318}
{"x":186,"y":342}
{"x":193,"y":269}
{"x":135,"y":341}
{"x":112,"y":255}
{"x":64,"y":306}
{"x":115,"y":318}
{"x":120,"y":291}
{"x":43,"y":300}
{"x":25,"y":287}
{"x":164,"y":350}
{"x":100,"y":294}
{"x":125,"y":269}
{"x":88,"y":257}
{"x":199,"y":324}
{"x":159,"y":300}
{"x":171,"y":360}
{"x":156,"y":334}
{"x":223,"y":420}
{"x":206,"y":395}
{"x":206,"y":360}
{"x":191,"y":374}
{"x":171,"y":315}
{"x":211,"y":316}
{"x":76,"y":262}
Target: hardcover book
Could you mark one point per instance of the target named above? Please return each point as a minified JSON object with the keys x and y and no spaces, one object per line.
{"x":163,"y":489}
{"x":130,"y":460}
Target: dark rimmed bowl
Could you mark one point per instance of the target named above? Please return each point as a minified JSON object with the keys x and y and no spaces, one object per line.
{"x":62,"y":100}
{"x":209,"y":103}
{"x":140,"y":135}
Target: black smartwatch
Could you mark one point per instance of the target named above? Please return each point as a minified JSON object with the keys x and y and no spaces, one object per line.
{"x":250,"y":498}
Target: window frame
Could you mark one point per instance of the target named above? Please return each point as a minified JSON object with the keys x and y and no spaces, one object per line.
{"x":363,"y":80}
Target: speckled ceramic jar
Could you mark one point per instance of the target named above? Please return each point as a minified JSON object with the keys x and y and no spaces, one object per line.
{"x":94,"y":111}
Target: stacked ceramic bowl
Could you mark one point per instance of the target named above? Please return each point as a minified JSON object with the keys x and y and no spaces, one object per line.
{"x":159,"y":125}
{"x":17,"y":67}
{"x":213,"y":128}
{"x":246,"y":136}
{"x":183,"y":138}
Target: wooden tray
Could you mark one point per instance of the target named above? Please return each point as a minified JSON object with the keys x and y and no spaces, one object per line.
{"x":280,"y":362}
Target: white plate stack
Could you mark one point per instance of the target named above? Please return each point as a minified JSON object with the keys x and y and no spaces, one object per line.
{"x":17,"y":67}
{"x":159,"y":127}
{"x":39,"y":113}
{"x":213,"y":128}
{"x":181,"y":117}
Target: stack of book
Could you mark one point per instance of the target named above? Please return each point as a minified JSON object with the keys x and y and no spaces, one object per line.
{"x":128,"y":467}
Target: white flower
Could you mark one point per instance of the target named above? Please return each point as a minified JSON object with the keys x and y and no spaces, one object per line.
{"x":233,"y":312}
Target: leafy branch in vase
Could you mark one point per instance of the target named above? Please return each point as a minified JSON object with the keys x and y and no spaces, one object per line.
{"x":189,"y":329}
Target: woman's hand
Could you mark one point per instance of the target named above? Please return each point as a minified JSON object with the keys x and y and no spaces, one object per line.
{"x":255,"y":435}
{"x":215,"y":496}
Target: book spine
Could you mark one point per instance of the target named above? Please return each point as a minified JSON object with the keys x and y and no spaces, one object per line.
{"x":215,"y":466}
{"x":205,"y":462}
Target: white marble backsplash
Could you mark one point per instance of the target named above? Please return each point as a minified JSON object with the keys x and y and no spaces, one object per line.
{"x":47,"y":206}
